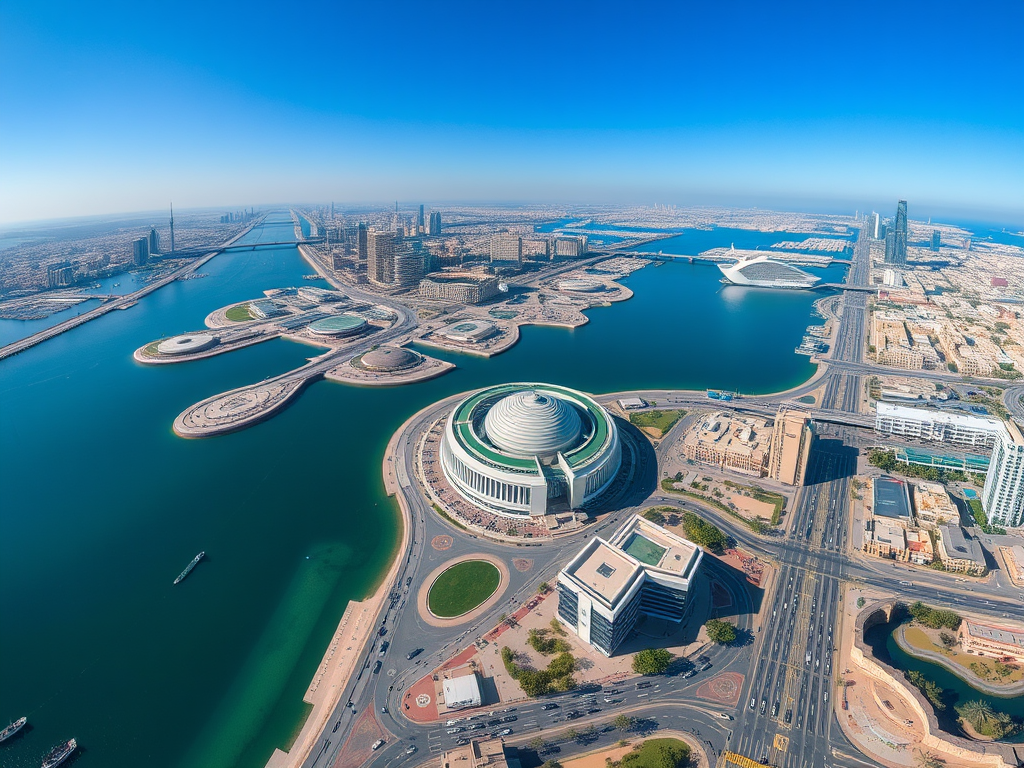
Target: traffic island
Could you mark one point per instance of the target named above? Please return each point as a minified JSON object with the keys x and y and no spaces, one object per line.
{"x":437,"y":590}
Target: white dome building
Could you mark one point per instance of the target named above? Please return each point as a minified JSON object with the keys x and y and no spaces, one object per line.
{"x":517,"y":449}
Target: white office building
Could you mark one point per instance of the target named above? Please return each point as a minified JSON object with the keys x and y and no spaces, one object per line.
{"x":1003,"y":496}
{"x":642,"y":569}
{"x":940,"y":426}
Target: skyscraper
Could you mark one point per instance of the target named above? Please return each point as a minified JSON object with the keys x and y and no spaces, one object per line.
{"x":936,"y":239}
{"x":878,"y":223}
{"x":419,"y":220}
{"x":172,"y":227}
{"x":408,"y":265}
{"x":380,"y":257}
{"x":897,"y":255}
{"x":154,"y":241}
{"x":140,"y":251}
{"x":361,"y":241}
{"x":435,"y":223}
{"x":1003,"y":496}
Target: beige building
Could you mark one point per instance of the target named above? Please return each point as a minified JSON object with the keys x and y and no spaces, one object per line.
{"x":790,"y":446}
{"x":506,"y":246}
{"x":736,"y":443}
{"x":1000,"y":642}
{"x":958,"y":551}
{"x":933,"y":506}
{"x":485,"y":753}
{"x":460,"y":287}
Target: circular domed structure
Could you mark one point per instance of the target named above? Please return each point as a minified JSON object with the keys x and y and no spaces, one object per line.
{"x":186,"y":344}
{"x":389,"y":359}
{"x":520,"y":449}
{"x":531,"y":423}
{"x":338,"y":326}
{"x":580,"y":285}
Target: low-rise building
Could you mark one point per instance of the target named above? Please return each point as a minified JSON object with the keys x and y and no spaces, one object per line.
{"x":934,"y":425}
{"x":958,"y":552}
{"x":999,"y":642}
{"x":462,"y":692}
{"x":482,"y":753}
{"x":885,"y":539}
{"x":729,"y":442}
{"x":933,"y":506}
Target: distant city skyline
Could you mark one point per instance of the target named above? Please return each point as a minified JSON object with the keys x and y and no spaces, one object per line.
{"x":808,"y":110}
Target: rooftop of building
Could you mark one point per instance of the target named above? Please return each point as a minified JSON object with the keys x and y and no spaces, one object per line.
{"x":958,"y":544}
{"x":891,"y":498}
{"x":489,"y":753}
{"x":656,"y":547}
{"x":896,"y":411}
{"x":996,"y":633}
{"x":739,"y":434}
{"x":604,"y":570}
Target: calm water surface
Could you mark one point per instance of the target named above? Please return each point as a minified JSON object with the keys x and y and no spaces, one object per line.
{"x":102,"y":505}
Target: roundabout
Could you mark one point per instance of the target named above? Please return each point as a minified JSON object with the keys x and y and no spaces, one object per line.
{"x":462,"y":589}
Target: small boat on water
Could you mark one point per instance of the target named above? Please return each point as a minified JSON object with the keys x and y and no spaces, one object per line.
{"x":59,"y":754}
{"x":189,"y":567}
{"x":12,"y":729}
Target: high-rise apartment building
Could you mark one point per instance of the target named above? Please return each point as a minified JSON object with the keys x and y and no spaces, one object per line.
{"x":419,"y":221}
{"x":408,"y":265}
{"x":878,"y":224}
{"x":1003,"y":496}
{"x":506,"y":246}
{"x":380,"y":257}
{"x":435,"y":223}
{"x":140,"y":251}
{"x":936,"y":239}
{"x":154,"y":241}
{"x":569,"y":247}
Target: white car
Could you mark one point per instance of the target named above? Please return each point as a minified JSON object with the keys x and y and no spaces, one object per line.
{"x":377,"y":744}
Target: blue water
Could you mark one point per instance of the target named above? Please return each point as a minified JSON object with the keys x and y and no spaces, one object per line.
{"x":103,"y":505}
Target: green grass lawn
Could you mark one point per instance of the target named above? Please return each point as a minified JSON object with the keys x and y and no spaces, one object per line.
{"x":462,"y":588}
{"x":659,"y":420}
{"x":239,"y":314}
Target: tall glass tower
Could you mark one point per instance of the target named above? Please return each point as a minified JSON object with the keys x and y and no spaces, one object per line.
{"x":897,"y":254}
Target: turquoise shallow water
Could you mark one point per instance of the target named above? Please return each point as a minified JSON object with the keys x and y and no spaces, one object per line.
{"x":102,"y":505}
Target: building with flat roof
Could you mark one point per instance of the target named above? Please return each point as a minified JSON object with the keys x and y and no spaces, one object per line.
{"x":891,"y":500}
{"x":468,"y":331}
{"x":933,"y":506}
{"x":482,"y":753}
{"x":939,"y":426}
{"x":1015,"y":557}
{"x":520,"y":449}
{"x":1001,"y":642}
{"x":729,"y":442}
{"x":958,"y":551}
{"x":264,"y":309}
{"x":790,"y":447}
{"x":1003,"y":495}
{"x":643,"y":568}
{"x":461,"y":287}
{"x":956,"y":428}
{"x":462,"y":692}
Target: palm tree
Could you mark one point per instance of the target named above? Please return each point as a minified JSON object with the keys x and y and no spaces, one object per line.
{"x":976,"y":712}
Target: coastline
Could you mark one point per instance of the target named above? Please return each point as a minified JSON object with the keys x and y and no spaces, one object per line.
{"x":358,"y":623}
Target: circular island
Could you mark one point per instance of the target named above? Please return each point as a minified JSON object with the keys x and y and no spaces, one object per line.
{"x":462,"y":587}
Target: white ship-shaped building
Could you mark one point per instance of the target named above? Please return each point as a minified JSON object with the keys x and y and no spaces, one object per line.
{"x":764,"y":272}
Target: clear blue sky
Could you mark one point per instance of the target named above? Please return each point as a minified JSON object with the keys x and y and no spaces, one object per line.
{"x":813,"y":105}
